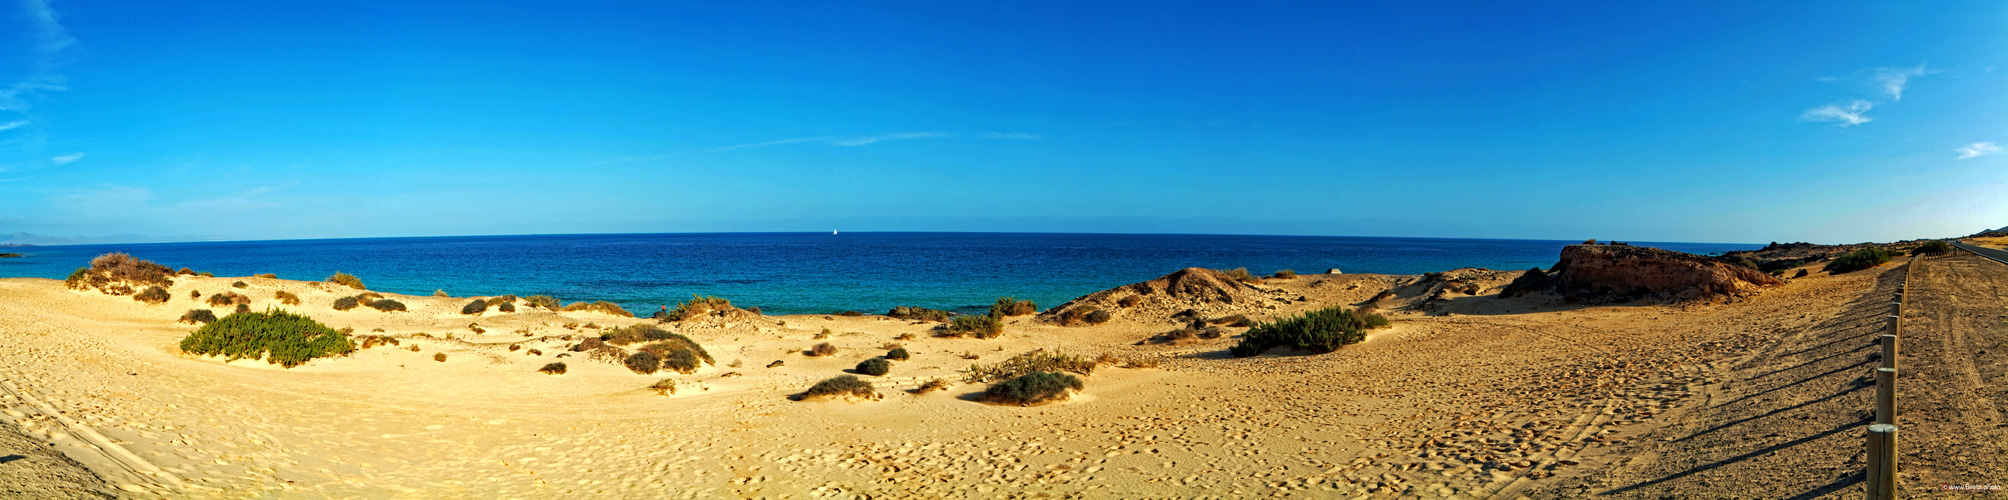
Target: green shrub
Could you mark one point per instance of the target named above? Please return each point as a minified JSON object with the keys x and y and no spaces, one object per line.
{"x":543,"y":301}
{"x":845,"y":385}
{"x":1859,"y":260}
{"x":664,"y":387}
{"x":194,"y":316}
{"x":697,"y":305}
{"x":553,"y":368}
{"x":898,"y":354}
{"x":1933,"y":247}
{"x":1240,"y":274}
{"x":875,"y":367}
{"x":1033,"y":388}
{"x":220,"y":299}
{"x":287,"y":298}
{"x":346,"y":303}
{"x":680,"y":361}
{"x":1011,"y":306}
{"x":1035,"y":361}
{"x":601,"y":307}
{"x":982,"y":326}
{"x":644,"y":362}
{"x":1533,"y":281}
{"x":386,"y":305}
{"x":152,"y":295}
{"x":1321,"y":331}
{"x":283,"y":338}
{"x":918,"y":313}
{"x":81,"y":279}
{"x":636,"y":334}
{"x":478,"y":306}
{"x":346,"y":279}
{"x":1286,"y":274}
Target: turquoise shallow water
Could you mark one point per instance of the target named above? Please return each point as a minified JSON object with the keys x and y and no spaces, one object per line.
{"x":795,"y":273}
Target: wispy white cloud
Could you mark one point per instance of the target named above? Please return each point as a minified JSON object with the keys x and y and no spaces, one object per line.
{"x":1888,"y":82}
{"x":67,"y":159}
{"x":1978,"y":149}
{"x":13,"y":124}
{"x":1893,"y":80}
{"x":861,"y":140}
{"x":51,"y":42}
{"x":1848,"y":115}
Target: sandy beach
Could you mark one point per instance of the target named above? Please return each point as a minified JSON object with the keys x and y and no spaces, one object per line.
{"x":1466,"y":396}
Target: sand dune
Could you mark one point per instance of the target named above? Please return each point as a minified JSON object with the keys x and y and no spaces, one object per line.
{"x":1468,"y":396}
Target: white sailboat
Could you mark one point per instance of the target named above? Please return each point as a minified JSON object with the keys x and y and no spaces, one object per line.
{"x":833,"y":232}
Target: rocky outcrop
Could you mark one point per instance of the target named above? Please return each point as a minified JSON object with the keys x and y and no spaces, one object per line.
{"x":1205,"y":290}
{"x":1609,"y":271}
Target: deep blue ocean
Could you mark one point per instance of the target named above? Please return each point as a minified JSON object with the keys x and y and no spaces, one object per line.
{"x":796,"y":273}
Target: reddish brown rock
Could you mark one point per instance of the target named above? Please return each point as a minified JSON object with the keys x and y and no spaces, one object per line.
{"x":1629,"y":271}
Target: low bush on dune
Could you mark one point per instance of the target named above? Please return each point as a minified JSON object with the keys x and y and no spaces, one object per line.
{"x":823,"y":349}
{"x":875,"y":367}
{"x":1321,"y":331}
{"x":287,"y":298}
{"x":220,"y":299}
{"x":918,"y":314}
{"x":478,"y":306}
{"x":152,"y":295}
{"x":439,"y":356}
{"x":931,"y":386}
{"x":239,"y":284}
{"x":600,"y":307}
{"x":553,"y":369}
{"x":680,"y":353}
{"x":368,"y":341}
{"x":367,"y":297}
{"x":1097,"y":316}
{"x":194,"y":316}
{"x":119,"y":269}
{"x":846,"y":385}
{"x":242,"y":308}
{"x":982,"y":326}
{"x":282,"y":338}
{"x":346,"y":303}
{"x":1240,"y":274}
{"x":1933,"y":247}
{"x":1286,"y":274}
{"x":663,"y":387}
{"x":346,"y":279}
{"x":697,"y":305}
{"x":1011,"y":306}
{"x":1036,"y":361}
{"x":1801,"y":274}
{"x":1188,"y":334}
{"x":185,"y":272}
{"x":541,"y":301}
{"x":1237,"y":320}
{"x":644,"y":363}
{"x":1130,"y":301}
{"x":634,"y":334}
{"x":506,"y":307}
{"x":1033,"y":388}
{"x":386,"y":305}
{"x":1859,"y":260}
{"x":497,"y":301}
{"x":194,"y":294}
{"x":1092,"y":315}
{"x":680,"y":361}
{"x":267,"y":276}
{"x":898,"y":354}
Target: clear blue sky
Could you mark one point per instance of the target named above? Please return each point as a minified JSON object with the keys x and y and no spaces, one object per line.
{"x":1679,"y":121}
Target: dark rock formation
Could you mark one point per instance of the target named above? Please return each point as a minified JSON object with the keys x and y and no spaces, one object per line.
{"x":1192,"y":288}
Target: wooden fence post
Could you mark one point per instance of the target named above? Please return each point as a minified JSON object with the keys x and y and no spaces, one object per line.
{"x":1889,"y":345}
{"x":1882,"y":462}
{"x":1886,"y":396}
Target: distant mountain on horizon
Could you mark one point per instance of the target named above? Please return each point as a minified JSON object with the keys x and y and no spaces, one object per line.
{"x":31,"y":239}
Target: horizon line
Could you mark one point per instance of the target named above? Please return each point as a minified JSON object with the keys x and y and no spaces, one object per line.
{"x":870,"y":232}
